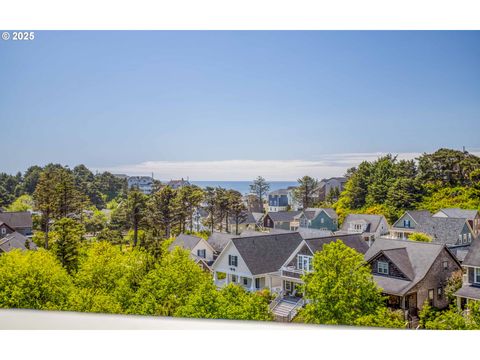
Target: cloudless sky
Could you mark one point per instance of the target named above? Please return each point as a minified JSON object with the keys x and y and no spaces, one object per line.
{"x":107,"y":99}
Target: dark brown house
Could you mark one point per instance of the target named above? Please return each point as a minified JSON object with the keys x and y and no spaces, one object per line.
{"x":411,"y":272}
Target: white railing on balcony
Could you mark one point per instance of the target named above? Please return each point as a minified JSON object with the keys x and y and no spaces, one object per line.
{"x":277,"y":299}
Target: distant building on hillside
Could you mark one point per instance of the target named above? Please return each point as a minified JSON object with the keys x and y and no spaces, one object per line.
{"x":142,"y":183}
{"x":177,"y":184}
{"x":325,"y":186}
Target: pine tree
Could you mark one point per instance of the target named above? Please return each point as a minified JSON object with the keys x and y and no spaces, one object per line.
{"x":67,"y":236}
{"x":260,"y":188}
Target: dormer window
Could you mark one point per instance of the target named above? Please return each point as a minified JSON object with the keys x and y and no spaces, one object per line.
{"x":201,"y":253}
{"x":382,"y":267}
{"x":406,"y":223}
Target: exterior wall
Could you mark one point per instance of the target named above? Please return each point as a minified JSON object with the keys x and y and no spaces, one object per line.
{"x":268,"y":222}
{"x":467,"y":236}
{"x":221,"y":264}
{"x":435,"y":278}
{"x":303,"y":251}
{"x":328,"y":222}
{"x":4,"y":230}
{"x":278,"y":200}
{"x":400,"y":223}
{"x":382,"y":228}
{"x":203,"y":245}
{"x":393,"y":270}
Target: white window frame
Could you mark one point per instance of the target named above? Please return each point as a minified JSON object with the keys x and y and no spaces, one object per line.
{"x":4,"y":231}
{"x":476,"y":275}
{"x":202,"y":253}
{"x":305,"y":262}
{"x":231,"y":262}
{"x":382,"y":267}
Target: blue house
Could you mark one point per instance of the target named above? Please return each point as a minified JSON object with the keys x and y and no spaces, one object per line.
{"x":278,"y":200}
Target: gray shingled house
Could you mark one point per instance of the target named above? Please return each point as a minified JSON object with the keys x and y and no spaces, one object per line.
{"x":456,"y":233}
{"x":470,"y":289}
{"x":472,"y":216}
{"x":411,"y":272}
{"x":20,"y":221}
{"x":286,"y":220}
{"x":370,"y":226}
{"x":15,"y":240}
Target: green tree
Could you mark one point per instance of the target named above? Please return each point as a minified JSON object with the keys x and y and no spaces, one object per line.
{"x":33,"y":280}
{"x":381,"y":179}
{"x":211,"y":206}
{"x":341,"y":287}
{"x":22,"y":203}
{"x":231,"y":302}
{"x":260,"y":187}
{"x":304,"y":192}
{"x":162,"y":211}
{"x":169,"y":285}
{"x":404,"y":194}
{"x":110,"y":273}
{"x":95,"y":222}
{"x":237,"y":208}
{"x":421,"y":237}
{"x":135,"y":211}
{"x":454,"y":283}
{"x":67,"y":235}
{"x":69,"y":201}
{"x":385,"y":318}
{"x":31,"y":178}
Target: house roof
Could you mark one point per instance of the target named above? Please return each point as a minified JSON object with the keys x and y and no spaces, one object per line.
{"x":473,"y":256}
{"x":469,"y":292}
{"x":279,"y":192}
{"x":411,"y":257}
{"x":419,"y":216}
{"x":354,"y":241}
{"x":283,"y":216}
{"x":250,"y":218}
{"x":312,"y":213}
{"x":460,"y":213}
{"x":443,"y":230}
{"x":373,"y":221}
{"x":17,"y":219}
{"x":218,"y":240}
{"x":266,"y":253}
{"x":185,"y":241}
{"x":310,"y":233}
{"x":16,"y":240}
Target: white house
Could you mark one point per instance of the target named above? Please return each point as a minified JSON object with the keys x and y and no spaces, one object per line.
{"x":254,"y":262}
{"x":199,"y":248}
{"x":143,"y":183}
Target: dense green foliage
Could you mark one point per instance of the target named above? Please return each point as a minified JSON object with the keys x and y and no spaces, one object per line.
{"x":388,"y":186}
{"x":341,"y":287}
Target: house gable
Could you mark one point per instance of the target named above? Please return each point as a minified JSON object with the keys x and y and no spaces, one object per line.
{"x":204,"y":245}
{"x":303,"y":249}
{"x":222,"y":265}
{"x":393,"y":270}
{"x":405,"y":222}
{"x":324,"y":221}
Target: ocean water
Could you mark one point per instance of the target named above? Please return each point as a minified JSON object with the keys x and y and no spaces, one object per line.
{"x":243,"y":186}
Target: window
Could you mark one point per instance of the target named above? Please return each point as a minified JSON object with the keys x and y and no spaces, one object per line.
{"x":469,"y":237}
{"x":406,"y":223}
{"x":234,"y":278}
{"x":445,"y":265}
{"x":460,"y":238}
{"x":257,"y":283}
{"x":232,"y":260}
{"x":464,"y":238}
{"x":476,"y":277}
{"x":430,"y":296}
{"x":4,"y":231}
{"x":305,"y":262}
{"x":322,"y":220}
{"x":439,"y":293}
{"x":201,"y":253}
{"x":245,"y":281}
{"x":382,"y":267}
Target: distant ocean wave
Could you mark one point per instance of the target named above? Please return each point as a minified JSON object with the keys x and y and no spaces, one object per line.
{"x":243,"y":186}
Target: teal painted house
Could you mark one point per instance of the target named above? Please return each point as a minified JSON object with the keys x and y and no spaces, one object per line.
{"x":319,"y":218}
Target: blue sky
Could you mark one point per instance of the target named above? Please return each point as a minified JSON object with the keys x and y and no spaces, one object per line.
{"x":228,"y":105}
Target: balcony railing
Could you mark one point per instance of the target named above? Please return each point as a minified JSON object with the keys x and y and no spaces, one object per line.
{"x":291,"y":271}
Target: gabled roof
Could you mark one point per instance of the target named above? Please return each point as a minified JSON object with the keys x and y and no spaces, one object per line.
{"x":473,"y":256}
{"x":310,"y":233}
{"x":373,"y":220}
{"x":218,"y":240}
{"x":419,"y":216}
{"x":279,"y":192}
{"x":185,"y":241}
{"x":16,"y":240}
{"x":17,"y":219}
{"x":411,"y":257}
{"x":266,"y":253}
{"x":460,"y":213}
{"x":283,"y":216}
{"x":312,"y":213}
{"x":249,"y":218}
{"x":355,"y":241}
{"x":443,"y":230}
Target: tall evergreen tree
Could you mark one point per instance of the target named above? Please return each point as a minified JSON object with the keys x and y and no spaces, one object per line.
{"x":260,"y":188}
{"x":67,"y":236}
{"x":162,"y":211}
{"x":304,"y":193}
{"x":135,"y":211}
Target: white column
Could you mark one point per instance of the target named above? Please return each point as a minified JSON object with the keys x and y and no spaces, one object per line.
{"x":227,"y":278}
{"x":252,"y":285}
{"x":215,"y":277}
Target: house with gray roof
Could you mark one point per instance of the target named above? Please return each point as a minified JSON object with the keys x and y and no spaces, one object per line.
{"x":301,"y":259}
{"x":200,"y":250}
{"x":247,"y":221}
{"x":19,"y":221}
{"x":317,"y":218}
{"x":14,"y":241}
{"x":286,"y":220}
{"x":454,"y":232}
{"x":411,"y":273}
{"x":370,"y":226}
{"x":254,"y":262}
{"x":326,"y":186}
{"x":472,"y":216}
{"x":470,"y":289}
{"x":218,"y":241}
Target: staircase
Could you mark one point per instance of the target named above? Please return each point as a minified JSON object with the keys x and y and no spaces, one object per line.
{"x":286,"y":309}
